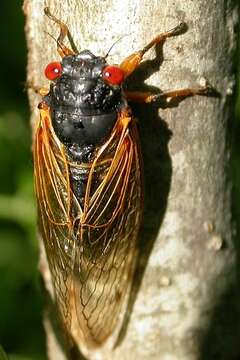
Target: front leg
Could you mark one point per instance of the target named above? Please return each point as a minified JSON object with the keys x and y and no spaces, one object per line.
{"x":131,"y":63}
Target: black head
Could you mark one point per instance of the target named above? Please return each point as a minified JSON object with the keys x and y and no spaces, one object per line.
{"x":84,"y":98}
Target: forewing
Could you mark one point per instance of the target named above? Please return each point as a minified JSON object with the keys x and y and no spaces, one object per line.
{"x":55,"y":205}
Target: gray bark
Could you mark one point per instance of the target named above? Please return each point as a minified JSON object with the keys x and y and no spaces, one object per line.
{"x":185,"y":301}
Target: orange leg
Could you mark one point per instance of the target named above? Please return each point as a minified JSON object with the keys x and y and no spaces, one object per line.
{"x":147,"y":97}
{"x":130,"y":63}
{"x":64,"y":31}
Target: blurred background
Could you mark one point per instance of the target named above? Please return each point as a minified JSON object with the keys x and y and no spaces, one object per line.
{"x":21,"y":332}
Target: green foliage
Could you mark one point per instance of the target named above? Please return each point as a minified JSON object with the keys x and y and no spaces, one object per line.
{"x":3,"y":355}
{"x":21,"y":329}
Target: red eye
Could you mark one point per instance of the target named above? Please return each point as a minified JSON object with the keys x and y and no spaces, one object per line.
{"x":113,"y":74}
{"x":53,"y":70}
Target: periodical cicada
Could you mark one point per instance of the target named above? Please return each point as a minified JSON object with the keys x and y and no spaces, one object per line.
{"x":88,"y":182}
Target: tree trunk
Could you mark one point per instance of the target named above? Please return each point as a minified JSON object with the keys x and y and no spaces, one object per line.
{"x":184,"y":305}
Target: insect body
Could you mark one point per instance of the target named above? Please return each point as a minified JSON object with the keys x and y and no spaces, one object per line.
{"x":89,"y":185}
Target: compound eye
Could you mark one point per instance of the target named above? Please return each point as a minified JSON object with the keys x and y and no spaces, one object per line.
{"x":113,"y":75}
{"x":53,"y":70}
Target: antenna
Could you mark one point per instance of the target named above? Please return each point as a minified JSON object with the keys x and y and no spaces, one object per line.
{"x":111,"y":47}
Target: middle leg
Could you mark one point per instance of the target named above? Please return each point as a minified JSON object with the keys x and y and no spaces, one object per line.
{"x":167,"y":96}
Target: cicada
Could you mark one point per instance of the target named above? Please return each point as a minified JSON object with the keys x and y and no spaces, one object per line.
{"x":88,"y":181}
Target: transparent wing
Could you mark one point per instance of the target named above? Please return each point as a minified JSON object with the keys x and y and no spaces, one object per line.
{"x":55,"y":205}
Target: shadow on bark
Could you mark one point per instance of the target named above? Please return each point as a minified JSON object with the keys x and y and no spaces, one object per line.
{"x":222,"y":338}
{"x":157,"y":169}
{"x":157,"y":185}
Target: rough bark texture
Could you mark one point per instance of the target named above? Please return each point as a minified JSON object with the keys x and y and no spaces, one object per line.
{"x":184,"y":303}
